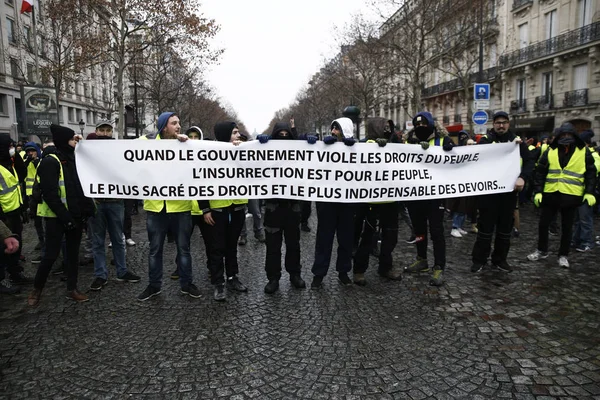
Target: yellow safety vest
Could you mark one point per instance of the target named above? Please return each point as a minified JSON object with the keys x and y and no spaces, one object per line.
{"x":596,"y":160}
{"x":10,"y":191}
{"x":42,"y":209}
{"x":23,"y":154}
{"x":569,"y":180}
{"x":172,"y":206}
{"x":29,"y":179}
{"x":531,"y":147}
{"x":226,"y":203}
{"x":196,"y":208}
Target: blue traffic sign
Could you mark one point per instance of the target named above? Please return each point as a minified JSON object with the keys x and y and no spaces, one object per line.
{"x":481,"y":91}
{"x":480,"y":117}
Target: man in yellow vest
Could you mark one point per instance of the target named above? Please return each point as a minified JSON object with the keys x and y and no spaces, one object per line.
{"x":65,"y":210}
{"x":225,"y":218}
{"x":564,"y":179}
{"x":33,"y":156}
{"x":162,"y":215}
{"x":12,"y":174}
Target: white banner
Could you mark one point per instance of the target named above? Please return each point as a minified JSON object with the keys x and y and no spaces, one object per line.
{"x":169,"y":169}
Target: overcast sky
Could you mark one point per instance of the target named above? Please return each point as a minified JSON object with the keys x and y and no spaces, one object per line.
{"x":272,"y":48}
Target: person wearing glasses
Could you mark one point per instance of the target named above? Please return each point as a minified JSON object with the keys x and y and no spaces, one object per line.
{"x":496,"y":211}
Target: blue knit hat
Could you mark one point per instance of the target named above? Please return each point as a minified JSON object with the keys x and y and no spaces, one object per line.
{"x":162,"y":121}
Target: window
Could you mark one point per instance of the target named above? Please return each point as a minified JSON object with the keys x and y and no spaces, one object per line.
{"x":78,"y":115}
{"x":88,"y":117}
{"x":520,"y":90}
{"x":71,"y":115}
{"x":580,"y":77}
{"x":30,"y":73}
{"x":493,"y":12}
{"x":3,"y":104}
{"x":547,"y":84}
{"x":551,"y":24}
{"x":493,"y":55}
{"x":584,"y":16}
{"x":93,"y":92}
{"x":10,"y":31}
{"x":86,"y":90}
{"x":523,"y":35}
{"x":14,"y":69}
{"x":27,"y":37}
{"x":9,"y":2}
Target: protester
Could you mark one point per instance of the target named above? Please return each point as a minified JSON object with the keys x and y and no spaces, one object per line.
{"x":33,"y":156}
{"x":460,"y":207}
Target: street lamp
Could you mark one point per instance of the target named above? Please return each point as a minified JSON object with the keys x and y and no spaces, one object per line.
{"x":81,"y":126}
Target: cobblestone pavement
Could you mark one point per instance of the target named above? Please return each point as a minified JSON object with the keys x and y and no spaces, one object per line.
{"x":531,"y":334}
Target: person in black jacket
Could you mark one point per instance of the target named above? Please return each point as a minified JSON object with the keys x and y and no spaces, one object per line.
{"x":65,"y":212}
{"x":564,"y":179}
{"x":496,"y":211}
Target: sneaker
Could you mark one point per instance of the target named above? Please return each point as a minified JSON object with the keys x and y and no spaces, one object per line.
{"x":150,"y":291}
{"x":411,"y":240}
{"x":235,"y":284}
{"x":109,"y":245}
{"x":393,"y":274}
{"x":376,"y":250}
{"x":553,"y":232}
{"x":191,"y":290}
{"x":474,"y":228}
{"x":455,"y":233}
{"x":175,"y":274}
{"x":34,"y":297}
{"x":344,"y":278}
{"x":462,"y":231}
{"x":583,"y":249}
{"x":260,"y":236}
{"x":242,"y":241}
{"x":476,"y":267}
{"x":504,"y":266}
{"x":219,"y":294}
{"x":21,"y":279}
{"x":36,"y":260}
{"x":272,"y":286}
{"x":297,"y":281}
{"x":130,"y":242}
{"x":98,"y":283}
{"x":537,"y":255}
{"x":305,"y":228}
{"x":359,"y":279}
{"x":317,"y":282}
{"x":563,"y":262}
{"x":437,"y":277}
{"x":420,"y":265}
{"x":59,"y":270}
{"x":129,"y":277}
{"x":516,"y":233}
{"x":7,"y":288}
{"x":76,"y":295}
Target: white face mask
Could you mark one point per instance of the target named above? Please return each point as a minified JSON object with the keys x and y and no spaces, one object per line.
{"x":11,"y":152}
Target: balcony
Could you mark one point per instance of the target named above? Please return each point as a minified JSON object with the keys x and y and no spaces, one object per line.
{"x":520,"y":3}
{"x":457,"y":84}
{"x":518,"y":106}
{"x":576,"y":98}
{"x":544,"y":103}
{"x":566,"y":41}
{"x":457,"y":119}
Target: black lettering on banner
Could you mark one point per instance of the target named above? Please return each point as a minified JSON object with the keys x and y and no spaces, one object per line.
{"x":460,"y":158}
{"x":402,"y":158}
{"x":98,"y":190}
{"x":297,"y":191}
{"x":325,"y":192}
{"x":149,"y":155}
{"x":433,"y":159}
{"x":336,"y":157}
{"x":472,"y":187}
{"x":200,"y":191}
{"x":121,"y":190}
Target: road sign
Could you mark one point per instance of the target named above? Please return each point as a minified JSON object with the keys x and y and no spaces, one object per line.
{"x":481,"y":91}
{"x":480,"y":129}
{"x":481,"y":105}
{"x":480,"y":117}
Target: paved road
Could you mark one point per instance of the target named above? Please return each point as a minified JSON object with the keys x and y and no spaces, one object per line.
{"x":529,"y":334}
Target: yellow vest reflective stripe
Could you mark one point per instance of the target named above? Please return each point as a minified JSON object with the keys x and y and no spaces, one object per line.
{"x":23,"y":154}
{"x":569,"y":180}
{"x":29,"y":179}
{"x":435,"y":141}
{"x":10,"y":191}
{"x":531,"y":147}
{"x":196,"y":208}
{"x":42,"y":209}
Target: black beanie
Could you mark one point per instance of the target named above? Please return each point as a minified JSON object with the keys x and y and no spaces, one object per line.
{"x":61,"y":135}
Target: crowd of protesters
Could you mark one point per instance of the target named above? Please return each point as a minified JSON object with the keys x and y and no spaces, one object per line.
{"x":558,"y":174}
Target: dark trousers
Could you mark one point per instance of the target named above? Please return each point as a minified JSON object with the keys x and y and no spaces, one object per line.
{"x":54,"y":235}
{"x":387,"y":214}
{"x":282,"y":221}
{"x":334,"y":219}
{"x":423,"y":212}
{"x":496,"y":212}
{"x":225,"y":234}
{"x":360,"y":218}
{"x":567,"y":216}
{"x":306,"y":208}
{"x":127,"y":223}
{"x":205,"y":231}
{"x":13,"y":221}
{"x":38,"y":222}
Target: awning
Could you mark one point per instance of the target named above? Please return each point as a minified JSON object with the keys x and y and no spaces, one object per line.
{"x":454,"y":128}
{"x":542,"y":124}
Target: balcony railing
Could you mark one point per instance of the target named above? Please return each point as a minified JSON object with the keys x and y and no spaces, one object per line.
{"x":544,"y":103}
{"x":518,"y":106}
{"x":457,"y":118}
{"x":520,"y":3}
{"x":566,"y":41}
{"x":576,"y":98}
{"x":456,"y":84}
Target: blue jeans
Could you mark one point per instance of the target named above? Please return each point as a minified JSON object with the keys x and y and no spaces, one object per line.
{"x":257,"y":218}
{"x":583,"y":233}
{"x":109,"y":216}
{"x":458,"y":220}
{"x":157,"y":225}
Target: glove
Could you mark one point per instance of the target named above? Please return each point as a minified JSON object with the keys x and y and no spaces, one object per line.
{"x":311,"y":139}
{"x":329,"y":139}
{"x":349,"y":141}
{"x":263,"y":138}
{"x":381,"y":142}
{"x":447,"y":147}
{"x":590,"y":198}
{"x":537,"y":199}
{"x":424,"y":145}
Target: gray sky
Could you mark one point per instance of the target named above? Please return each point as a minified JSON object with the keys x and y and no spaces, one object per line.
{"x":272,"y":48}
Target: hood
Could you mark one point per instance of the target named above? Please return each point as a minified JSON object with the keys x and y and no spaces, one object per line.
{"x":346,"y":125}
{"x":33,"y":146}
{"x":564,"y":129}
{"x":376,"y":128}
{"x":282,"y":126}
{"x":61,"y":136}
{"x":5,"y":143}
{"x":223,"y":130}
{"x":430,"y":122}
{"x":162,"y":121}
{"x":49,"y":150}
